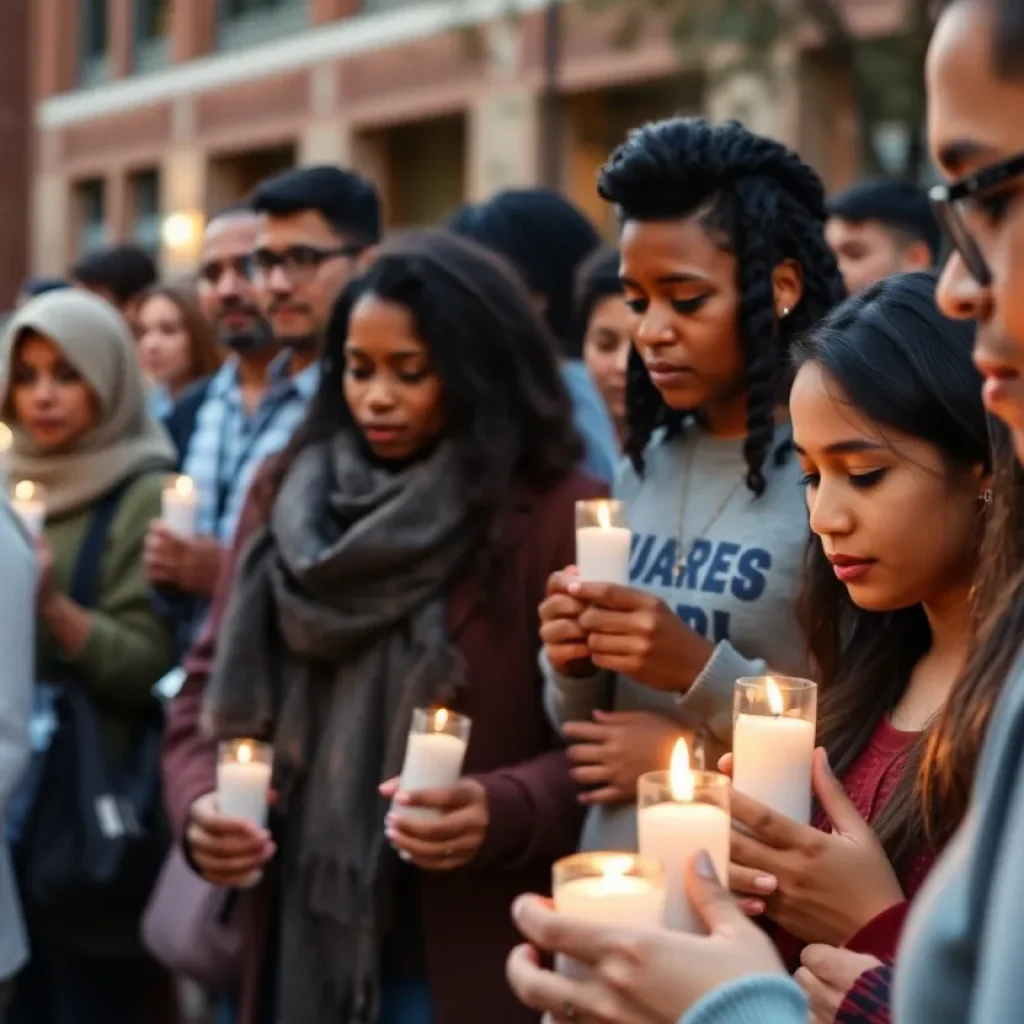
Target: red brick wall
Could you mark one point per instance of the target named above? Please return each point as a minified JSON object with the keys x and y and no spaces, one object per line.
{"x":15,"y":147}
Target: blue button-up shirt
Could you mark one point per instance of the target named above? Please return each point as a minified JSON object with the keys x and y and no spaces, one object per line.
{"x":229,"y":445}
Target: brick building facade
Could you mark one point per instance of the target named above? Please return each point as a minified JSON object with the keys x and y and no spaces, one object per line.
{"x":15,"y":146}
{"x":150,"y":109}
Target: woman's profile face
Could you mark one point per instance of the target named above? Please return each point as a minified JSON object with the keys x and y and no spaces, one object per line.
{"x":52,"y":402}
{"x":165,"y":350}
{"x":390,"y":385}
{"x":606,"y":352}
{"x":895,"y":520}
{"x":974,"y":120}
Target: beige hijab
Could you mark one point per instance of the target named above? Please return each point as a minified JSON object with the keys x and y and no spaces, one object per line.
{"x":126,"y":441}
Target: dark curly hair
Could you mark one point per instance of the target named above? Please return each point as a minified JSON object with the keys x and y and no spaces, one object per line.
{"x":767,"y":205}
{"x":507,"y":411}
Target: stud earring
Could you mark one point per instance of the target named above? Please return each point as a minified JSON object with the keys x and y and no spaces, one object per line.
{"x":986,"y":496}
{"x":783,"y":312}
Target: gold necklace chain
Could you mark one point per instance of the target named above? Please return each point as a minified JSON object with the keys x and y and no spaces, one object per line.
{"x":682,"y":557}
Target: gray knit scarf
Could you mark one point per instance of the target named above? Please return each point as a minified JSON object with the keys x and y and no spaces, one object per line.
{"x":335,"y":632}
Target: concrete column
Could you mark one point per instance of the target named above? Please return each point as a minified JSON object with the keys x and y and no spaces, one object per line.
{"x":324,"y":138}
{"x":503,"y":148}
{"x":184,"y":187}
{"x":53,"y":224}
{"x":367,"y":153}
{"x":121,"y":36}
{"x":117,"y":205}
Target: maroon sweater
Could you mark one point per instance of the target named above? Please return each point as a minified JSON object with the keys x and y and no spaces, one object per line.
{"x":869,"y":783}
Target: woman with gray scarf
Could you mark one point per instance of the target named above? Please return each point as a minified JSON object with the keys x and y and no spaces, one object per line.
{"x":393,"y":559}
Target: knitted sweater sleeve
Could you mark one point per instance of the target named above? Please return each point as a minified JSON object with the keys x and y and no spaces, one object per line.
{"x":757,"y":999}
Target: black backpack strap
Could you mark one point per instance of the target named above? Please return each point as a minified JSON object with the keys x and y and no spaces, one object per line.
{"x":85,"y":579}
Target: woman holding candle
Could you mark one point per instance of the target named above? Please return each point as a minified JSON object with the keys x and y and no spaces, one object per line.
{"x":393,"y":558}
{"x":82,"y":432}
{"x":723,"y":263}
{"x":604,"y":322}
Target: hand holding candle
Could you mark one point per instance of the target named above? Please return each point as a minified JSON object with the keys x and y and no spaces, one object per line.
{"x":602,"y":542}
{"x":773,"y":743}
{"x":679,"y":813}
{"x":180,"y":500}
{"x":434,"y":755}
{"x":243,"y":780}
{"x":29,"y":501}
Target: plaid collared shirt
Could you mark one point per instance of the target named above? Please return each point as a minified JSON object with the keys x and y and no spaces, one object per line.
{"x":228,"y":445}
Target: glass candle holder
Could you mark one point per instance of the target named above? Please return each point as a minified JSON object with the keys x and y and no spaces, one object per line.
{"x":434,"y":755}
{"x":603,"y":541}
{"x":244,"y":767}
{"x":28,"y":500}
{"x":679,"y":813}
{"x":180,"y":501}
{"x":774,"y":723}
{"x":608,"y":888}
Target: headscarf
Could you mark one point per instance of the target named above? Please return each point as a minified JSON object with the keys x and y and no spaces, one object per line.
{"x":126,"y":441}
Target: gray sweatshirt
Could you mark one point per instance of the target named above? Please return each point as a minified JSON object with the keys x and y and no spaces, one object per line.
{"x":738,"y":589}
{"x":960,"y":959}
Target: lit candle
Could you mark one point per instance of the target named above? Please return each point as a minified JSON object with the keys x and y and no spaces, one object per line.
{"x":243,"y":780}
{"x":179,"y":506}
{"x":608,"y":888}
{"x":30,"y":503}
{"x":6,"y":440}
{"x":679,"y":813}
{"x":433,"y":755}
{"x":602,"y":542}
{"x":773,"y":743}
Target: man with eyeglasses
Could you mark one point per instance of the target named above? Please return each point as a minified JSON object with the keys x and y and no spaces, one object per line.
{"x":268,"y":277}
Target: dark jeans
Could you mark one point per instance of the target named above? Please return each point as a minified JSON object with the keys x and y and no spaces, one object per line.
{"x":58,"y":987}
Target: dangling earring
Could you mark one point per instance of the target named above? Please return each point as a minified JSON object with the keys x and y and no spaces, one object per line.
{"x":986,"y":496}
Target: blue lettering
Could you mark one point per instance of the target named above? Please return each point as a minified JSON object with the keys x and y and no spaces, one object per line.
{"x":695,"y":618}
{"x":698,"y":556}
{"x":721,"y":565}
{"x":664,"y":566}
{"x":641,"y":551}
{"x":719,"y":626}
{"x":749,"y":582}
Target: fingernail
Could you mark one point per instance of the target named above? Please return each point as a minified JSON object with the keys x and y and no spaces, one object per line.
{"x":765,"y":883}
{"x":517,"y":906}
{"x":402,"y":798}
{"x":574,"y":587}
{"x":754,"y":908}
{"x":704,"y":867}
{"x":828,"y":766}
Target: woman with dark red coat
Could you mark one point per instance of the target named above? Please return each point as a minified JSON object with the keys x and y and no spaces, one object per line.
{"x":394,"y":558}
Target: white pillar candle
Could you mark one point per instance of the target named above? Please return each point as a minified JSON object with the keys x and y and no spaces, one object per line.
{"x":243,"y":780}
{"x":608,"y":888}
{"x":434,"y":755}
{"x":602,"y":542}
{"x":30,"y":504}
{"x":179,"y":506}
{"x":6,"y":440}
{"x":680,"y":813}
{"x":773,"y":744}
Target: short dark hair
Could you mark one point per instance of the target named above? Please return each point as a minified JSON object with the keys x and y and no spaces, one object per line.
{"x":767,"y":205}
{"x":35,"y":286}
{"x":545,"y":237}
{"x":596,"y":280}
{"x":898,"y":205}
{"x":124,"y":270}
{"x":347,"y":201}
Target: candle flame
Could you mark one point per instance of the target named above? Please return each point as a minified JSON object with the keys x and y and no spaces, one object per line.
{"x":184,"y":486}
{"x":244,"y":753}
{"x":440,"y":719}
{"x":6,"y":437}
{"x":604,"y":515}
{"x":680,"y":778}
{"x":774,"y":695}
{"x":617,"y":867}
{"x":24,"y":490}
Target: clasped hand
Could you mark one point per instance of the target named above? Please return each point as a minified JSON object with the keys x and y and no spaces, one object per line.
{"x":588,"y":626}
{"x":451,"y":839}
{"x":822,"y":887}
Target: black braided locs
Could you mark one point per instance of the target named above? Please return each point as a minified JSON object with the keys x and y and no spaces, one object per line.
{"x":768,"y":205}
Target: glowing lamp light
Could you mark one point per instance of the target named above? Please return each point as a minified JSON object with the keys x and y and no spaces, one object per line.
{"x":182,"y":230}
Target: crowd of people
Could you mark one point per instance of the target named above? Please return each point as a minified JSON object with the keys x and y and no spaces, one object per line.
{"x":817,"y":439}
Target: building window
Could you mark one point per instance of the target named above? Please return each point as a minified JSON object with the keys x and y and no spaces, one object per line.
{"x":94,"y":64}
{"x":242,"y":23}
{"x":152,"y":32}
{"x":92,"y":215}
{"x":147,"y":223}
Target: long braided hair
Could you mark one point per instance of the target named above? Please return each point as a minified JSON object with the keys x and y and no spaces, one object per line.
{"x":765,"y":205}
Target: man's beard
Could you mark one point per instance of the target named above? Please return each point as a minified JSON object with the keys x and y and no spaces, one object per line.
{"x":247,"y":342}
{"x":303,"y":343}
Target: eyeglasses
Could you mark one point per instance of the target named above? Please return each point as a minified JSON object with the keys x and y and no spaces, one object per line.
{"x":950,"y":201}
{"x":299,"y":263}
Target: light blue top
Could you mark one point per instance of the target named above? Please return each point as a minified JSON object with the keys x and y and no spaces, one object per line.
{"x":960,"y":960}
{"x":591,"y":418}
